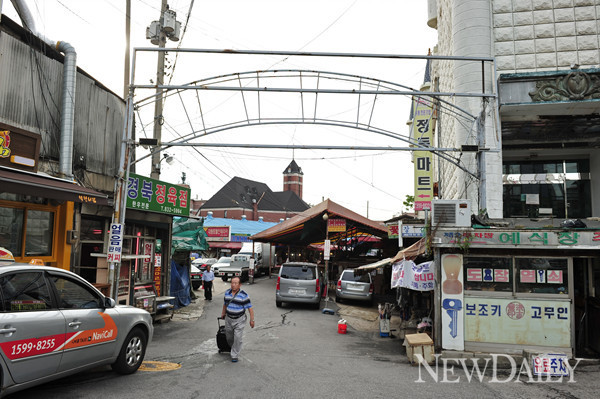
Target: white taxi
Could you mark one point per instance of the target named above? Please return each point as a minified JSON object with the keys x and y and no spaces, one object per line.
{"x":53,"y":323}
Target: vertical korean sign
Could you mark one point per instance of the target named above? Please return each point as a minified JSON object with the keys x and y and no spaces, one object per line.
{"x":115,"y":243}
{"x":153,"y":195}
{"x":452,"y":302}
{"x":422,"y":133}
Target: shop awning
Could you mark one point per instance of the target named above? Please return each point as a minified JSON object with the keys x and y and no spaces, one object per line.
{"x":221,"y":244}
{"x":28,"y":183}
{"x":309,"y":226}
{"x":418,"y":248}
{"x":371,"y":266}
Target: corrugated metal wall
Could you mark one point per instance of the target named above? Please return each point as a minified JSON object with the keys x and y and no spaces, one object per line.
{"x":30,"y":97}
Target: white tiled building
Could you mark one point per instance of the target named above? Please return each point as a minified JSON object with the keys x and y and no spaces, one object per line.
{"x":547,"y":56}
{"x":528,"y":282}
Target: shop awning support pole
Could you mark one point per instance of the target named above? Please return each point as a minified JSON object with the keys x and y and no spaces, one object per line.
{"x":120,"y":190}
{"x":437,"y":293}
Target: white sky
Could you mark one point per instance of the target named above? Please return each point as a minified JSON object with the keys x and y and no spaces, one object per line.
{"x":352,"y":178}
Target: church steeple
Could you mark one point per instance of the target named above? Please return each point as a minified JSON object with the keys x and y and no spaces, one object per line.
{"x":292,"y":178}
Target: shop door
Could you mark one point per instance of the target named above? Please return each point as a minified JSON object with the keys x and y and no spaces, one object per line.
{"x":594,"y":307}
{"x":587,"y":306}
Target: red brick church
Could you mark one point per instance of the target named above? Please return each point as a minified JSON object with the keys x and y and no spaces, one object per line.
{"x":242,"y":198}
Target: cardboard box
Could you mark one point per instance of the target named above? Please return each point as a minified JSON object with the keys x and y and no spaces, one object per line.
{"x":420,"y":344}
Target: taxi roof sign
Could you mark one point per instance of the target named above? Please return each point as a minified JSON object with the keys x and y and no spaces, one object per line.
{"x":6,"y":255}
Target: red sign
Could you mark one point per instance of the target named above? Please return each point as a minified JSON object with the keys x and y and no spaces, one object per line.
{"x":157,"y":269}
{"x":218,"y":233}
{"x":148,"y":249}
{"x":336,"y":225}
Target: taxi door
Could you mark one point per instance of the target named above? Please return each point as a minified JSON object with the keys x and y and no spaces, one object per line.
{"x":91,"y":332}
{"x":32,"y":329}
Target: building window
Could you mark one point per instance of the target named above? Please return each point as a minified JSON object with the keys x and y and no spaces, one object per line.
{"x":488,"y":274}
{"x":542,"y":275}
{"x":27,"y":230}
{"x":40,"y":228}
{"x":516,"y":275}
{"x":11,"y":229}
{"x":562,"y":186}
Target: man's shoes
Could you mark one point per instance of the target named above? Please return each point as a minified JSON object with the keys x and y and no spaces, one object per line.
{"x":234,"y":359}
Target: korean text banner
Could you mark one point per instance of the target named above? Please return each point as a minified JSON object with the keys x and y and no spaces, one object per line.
{"x":152,"y":195}
{"x":415,"y":277}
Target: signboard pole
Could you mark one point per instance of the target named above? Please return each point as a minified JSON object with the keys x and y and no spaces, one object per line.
{"x":119,"y":197}
{"x":326,"y":256}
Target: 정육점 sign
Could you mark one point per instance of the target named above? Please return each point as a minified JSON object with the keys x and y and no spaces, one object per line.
{"x":153,"y":195}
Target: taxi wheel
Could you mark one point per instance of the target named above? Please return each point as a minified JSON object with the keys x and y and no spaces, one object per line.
{"x":224,"y":278}
{"x":132,"y":352}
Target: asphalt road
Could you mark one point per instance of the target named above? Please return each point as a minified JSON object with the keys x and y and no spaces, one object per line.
{"x":293,"y":352}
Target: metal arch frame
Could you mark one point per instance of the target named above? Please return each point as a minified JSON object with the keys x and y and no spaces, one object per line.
{"x":249,"y":122}
{"x":390,"y":88}
{"x":246,"y":123}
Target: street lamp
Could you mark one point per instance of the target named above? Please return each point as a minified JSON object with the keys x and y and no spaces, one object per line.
{"x":165,"y":157}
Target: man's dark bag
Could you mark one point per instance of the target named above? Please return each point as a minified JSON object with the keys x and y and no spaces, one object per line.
{"x":221,"y":338}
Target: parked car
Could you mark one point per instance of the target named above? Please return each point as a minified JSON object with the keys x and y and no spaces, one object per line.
{"x":351,"y":286}
{"x":202,"y":262}
{"x":238,"y":267}
{"x":53,"y":323}
{"x":298,"y":282}
{"x":224,"y":261}
{"x":196,"y":275}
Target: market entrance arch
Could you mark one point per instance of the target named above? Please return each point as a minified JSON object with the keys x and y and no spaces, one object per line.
{"x":251,"y":88}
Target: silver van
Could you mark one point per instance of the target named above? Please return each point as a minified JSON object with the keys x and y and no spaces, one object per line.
{"x":298,"y":282}
{"x":351,"y":286}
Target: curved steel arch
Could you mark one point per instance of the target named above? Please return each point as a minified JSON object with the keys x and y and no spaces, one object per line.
{"x":392,"y":88}
{"x":185,"y":142}
{"x":381,"y":87}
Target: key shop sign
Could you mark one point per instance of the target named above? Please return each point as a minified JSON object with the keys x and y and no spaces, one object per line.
{"x":518,"y":321}
{"x":152,"y":195}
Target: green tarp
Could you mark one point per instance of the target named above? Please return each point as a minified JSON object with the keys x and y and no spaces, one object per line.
{"x":188,"y":235}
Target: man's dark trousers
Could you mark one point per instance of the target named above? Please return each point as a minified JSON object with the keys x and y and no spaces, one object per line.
{"x":208,"y":290}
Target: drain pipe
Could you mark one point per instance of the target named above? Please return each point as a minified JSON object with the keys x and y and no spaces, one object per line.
{"x":68,"y":90}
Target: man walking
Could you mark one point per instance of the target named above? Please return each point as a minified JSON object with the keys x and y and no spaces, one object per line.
{"x":207,"y":280}
{"x":234,"y":313}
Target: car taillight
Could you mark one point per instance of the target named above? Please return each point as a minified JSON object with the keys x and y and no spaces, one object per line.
{"x":278,"y":278}
{"x":318,"y":287}
{"x":339,"y":285}
{"x":371,"y":288}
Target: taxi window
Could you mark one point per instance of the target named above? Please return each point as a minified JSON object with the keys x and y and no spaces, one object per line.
{"x":74,"y":295}
{"x":25,"y":292}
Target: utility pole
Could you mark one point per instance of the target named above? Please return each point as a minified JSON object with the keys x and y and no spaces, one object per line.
{"x":158,"y":104}
{"x":127,"y":48}
{"x":158,"y":32}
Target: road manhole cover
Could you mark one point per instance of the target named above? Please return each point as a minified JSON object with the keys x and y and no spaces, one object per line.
{"x":159,"y":366}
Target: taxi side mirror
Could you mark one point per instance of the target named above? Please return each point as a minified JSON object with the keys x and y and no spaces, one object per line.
{"x":109,"y":302}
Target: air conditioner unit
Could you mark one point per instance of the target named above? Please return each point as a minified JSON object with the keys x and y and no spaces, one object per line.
{"x":451,"y":213}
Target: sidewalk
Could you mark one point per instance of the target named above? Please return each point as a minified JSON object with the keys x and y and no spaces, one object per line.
{"x":196,"y":308}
